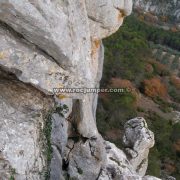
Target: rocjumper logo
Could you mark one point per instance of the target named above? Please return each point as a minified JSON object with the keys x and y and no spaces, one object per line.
{"x":57,"y":91}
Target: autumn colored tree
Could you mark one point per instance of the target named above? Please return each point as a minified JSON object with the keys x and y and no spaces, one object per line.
{"x":121,"y":83}
{"x":175,"y":81}
{"x":154,"y":88}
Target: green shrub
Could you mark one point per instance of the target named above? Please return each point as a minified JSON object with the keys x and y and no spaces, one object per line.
{"x":154,"y":163}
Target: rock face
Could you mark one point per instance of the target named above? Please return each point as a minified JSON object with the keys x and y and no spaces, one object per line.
{"x":21,"y":124}
{"x":138,"y":139}
{"x":102,"y":25}
{"x":61,"y":29}
{"x":52,"y":26}
{"x":57,"y":44}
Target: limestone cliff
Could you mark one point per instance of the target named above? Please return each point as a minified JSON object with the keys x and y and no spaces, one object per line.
{"x":57,"y":44}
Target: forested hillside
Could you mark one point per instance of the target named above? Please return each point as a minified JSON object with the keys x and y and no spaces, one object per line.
{"x":146,"y":59}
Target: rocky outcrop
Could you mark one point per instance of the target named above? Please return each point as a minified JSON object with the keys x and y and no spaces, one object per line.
{"x":57,"y":44}
{"x":104,"y":160}
{"x":138,"y":139}
{"x":105,"y":17}
{"x":132,"y":163}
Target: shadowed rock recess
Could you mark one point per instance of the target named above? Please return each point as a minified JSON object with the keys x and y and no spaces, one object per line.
{"x":57,"y":44}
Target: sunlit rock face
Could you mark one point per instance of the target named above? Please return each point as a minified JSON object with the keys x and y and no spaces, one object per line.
{"x":63,"y":31}
{"x":50,"y":44}
{"x":106,"y":16}
{"x":57,"y":44}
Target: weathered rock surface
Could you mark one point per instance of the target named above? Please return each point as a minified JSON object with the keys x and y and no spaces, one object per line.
{"x":85,"y":158}
{"x":138,"y":139}
{"x":21,"y":122}
{"x":94,"y":158}
{"x":52,"y":26}
{"x":62,"y":33}
{"x":106,"y":16}
{"x":29,"y":64}
{"x":117,"y":164}
{"x":57,"y":44}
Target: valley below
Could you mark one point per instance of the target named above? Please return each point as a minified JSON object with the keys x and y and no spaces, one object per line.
{"x":145,"y":58}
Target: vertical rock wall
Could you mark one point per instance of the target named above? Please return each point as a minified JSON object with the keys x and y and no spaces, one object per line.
{"x":57,"y":44}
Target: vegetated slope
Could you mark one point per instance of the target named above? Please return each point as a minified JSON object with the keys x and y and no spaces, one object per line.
{"x":145,"y":59}
{"x":165,"y":13}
